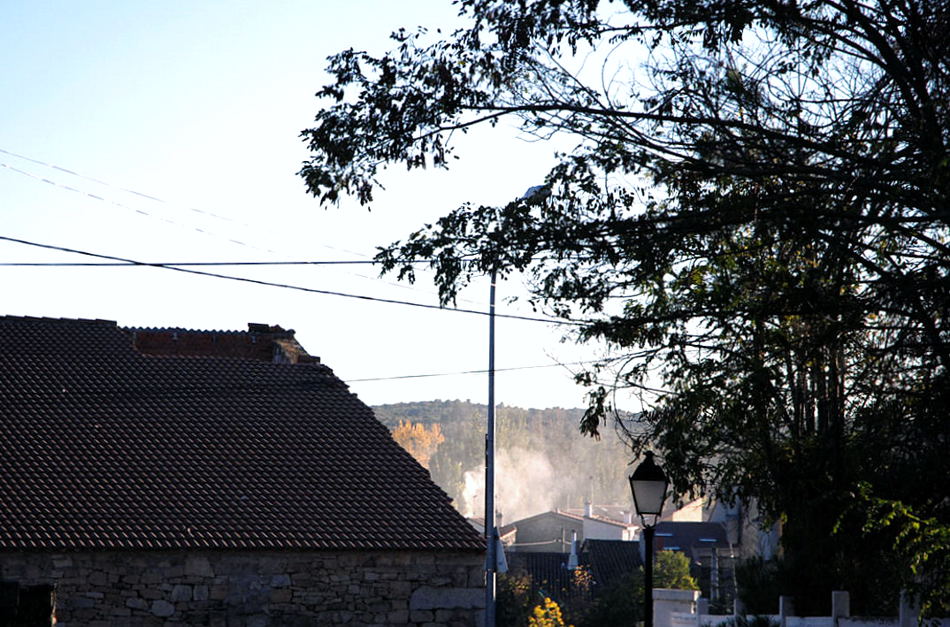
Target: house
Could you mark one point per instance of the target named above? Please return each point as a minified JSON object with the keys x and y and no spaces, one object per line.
{"x":711,"y":555}
{"x":554,"y":530}
{"x":180,"y":477}
{"x":547,"y":532}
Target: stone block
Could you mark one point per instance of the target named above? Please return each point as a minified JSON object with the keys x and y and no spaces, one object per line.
{"x":162,"y":608}
{"x":400,"y":589}
{"x":151,"y":594}
{"x":181,"y":592}
{"x":280,"y":581}
{"x":200,"y":592}
{"x":150,"y":577}
{"x":443,"y":616}
{"x":476,"y":577}
{"x":421,"y":616}
{"x":272,"y":564}
{"x":428,"y":598}
{"x":136,"y":603}
{"x":79,"y":603}
{"x":281,"y":595}
{"x":398,"y":617}
{"x":174,"y":572}
{"x":198,"y":566}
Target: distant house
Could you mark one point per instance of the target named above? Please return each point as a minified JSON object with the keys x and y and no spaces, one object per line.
{"x":554,"y":530}
{"x":179,"y":477}
{"x":711,"y":555}
{"x":746,"y":530}
{"x":695,"y":539}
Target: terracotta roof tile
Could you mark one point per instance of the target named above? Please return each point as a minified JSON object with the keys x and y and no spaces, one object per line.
{"x":104,"y":447}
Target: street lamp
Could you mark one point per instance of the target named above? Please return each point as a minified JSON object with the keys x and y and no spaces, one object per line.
{"x":648,"y":485}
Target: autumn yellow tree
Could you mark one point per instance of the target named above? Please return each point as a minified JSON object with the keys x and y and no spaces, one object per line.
{"x":548,"y":614}
{"x":418,"y":440}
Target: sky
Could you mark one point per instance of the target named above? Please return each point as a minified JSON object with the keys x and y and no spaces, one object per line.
{"x":169,"y":132}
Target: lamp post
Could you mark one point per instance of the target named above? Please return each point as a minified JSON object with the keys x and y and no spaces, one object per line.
{"x":648,"y":485}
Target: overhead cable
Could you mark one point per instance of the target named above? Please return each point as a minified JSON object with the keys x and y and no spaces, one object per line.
{"x":467,"y":372}
{"x":298,"y":288}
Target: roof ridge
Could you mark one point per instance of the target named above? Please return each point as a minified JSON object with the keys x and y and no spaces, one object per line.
{"x":47,"y":319}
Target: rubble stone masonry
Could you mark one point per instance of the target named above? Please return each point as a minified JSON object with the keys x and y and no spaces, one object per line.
{"x":256,"y":589}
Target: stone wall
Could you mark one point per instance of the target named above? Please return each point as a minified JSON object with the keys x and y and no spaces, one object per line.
{"x":256,"y":589}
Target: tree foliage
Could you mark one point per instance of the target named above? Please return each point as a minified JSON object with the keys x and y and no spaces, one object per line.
{"x":671,"y":570}
{"x":756,"y":212}
{"x":419,"y":440}
{"x":546,"y":614}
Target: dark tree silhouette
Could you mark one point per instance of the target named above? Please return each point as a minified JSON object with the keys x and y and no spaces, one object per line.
{"x":756,"y":210}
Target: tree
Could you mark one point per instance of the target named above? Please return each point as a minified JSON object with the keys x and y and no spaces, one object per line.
{"x":419,"y":441}
{"x":757,"y":214}
{"x":546,"y":614}
{"x":672,"y":571}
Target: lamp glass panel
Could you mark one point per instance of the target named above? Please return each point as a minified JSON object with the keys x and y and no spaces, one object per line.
{"x":649,"y":496}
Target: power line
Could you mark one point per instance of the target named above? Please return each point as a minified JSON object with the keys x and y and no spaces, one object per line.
{"x":114,"y":264}
{"x":156,"y":199}
{"x":123,"y":205}
{"x":286,"y":285}
{"x":465,"y":372}
{"x":103,"y":183}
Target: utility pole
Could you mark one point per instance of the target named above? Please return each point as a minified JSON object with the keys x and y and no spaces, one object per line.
{"x":491,"y":559}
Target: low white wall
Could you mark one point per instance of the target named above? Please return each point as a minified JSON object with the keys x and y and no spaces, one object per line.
{"x":667,"y":602}
{"x":683,"y":608}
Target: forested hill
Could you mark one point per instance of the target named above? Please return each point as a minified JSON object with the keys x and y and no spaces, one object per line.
{"x":543,"y":461}
{"x":445,"y":412}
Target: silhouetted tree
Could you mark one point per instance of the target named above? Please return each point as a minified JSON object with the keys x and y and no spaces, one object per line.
{"x":756,"y":210}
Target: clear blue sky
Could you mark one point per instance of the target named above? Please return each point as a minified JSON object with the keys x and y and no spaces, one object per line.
{"x":199,"y":105}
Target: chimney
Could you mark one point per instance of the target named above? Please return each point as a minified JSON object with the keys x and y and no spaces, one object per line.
{"x":588,"y":509}
{"x":628,"y":517}
{"x":261,"y":342}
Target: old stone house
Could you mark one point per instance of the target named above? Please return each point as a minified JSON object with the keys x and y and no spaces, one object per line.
{"x":177,"y":477}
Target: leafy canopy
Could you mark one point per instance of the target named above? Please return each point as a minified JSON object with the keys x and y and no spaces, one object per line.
{"x":755,"y":212}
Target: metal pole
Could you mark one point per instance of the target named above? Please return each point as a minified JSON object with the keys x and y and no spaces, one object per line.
{"x":648,"y":576}
{"x":491,"y":558}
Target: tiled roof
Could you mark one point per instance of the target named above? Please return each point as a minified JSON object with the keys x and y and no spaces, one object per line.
{"x":689,"y":536}
{"x":105,"y":447}
{"x":611,"y":560}
{"x":548,"y":571}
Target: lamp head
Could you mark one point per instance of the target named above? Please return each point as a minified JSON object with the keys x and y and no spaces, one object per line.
{"x":648,"y":484}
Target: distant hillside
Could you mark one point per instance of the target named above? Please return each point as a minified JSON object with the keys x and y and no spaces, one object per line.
{"x":542,"y":460}
{"x":446,"y":412}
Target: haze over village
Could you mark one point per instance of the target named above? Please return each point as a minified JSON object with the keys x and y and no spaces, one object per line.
{"x":475,"y":312}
